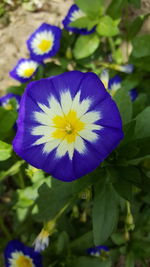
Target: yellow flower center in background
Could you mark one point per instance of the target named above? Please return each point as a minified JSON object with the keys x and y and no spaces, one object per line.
{"x":45,"y":45}
{"x":68,"y":126}
{"x":28,"y":72}
{"x":23,"y":261}
{"x":8,"y":106}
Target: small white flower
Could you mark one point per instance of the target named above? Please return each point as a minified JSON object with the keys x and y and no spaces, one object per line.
{"x":42,"y":241}
{"x":127,"y":68}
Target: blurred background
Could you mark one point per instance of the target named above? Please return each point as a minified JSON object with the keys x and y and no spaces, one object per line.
{"x":19,"y":18}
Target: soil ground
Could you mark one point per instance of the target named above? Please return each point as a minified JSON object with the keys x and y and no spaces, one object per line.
{"x":22,"y":23}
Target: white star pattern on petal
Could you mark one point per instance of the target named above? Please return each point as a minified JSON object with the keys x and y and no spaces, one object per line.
{"x":65,"y":126}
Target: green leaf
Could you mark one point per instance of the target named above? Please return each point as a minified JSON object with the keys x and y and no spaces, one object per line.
{"x":86,"y":45}
{"x":5,"y":151}
{"x":7,"y":120}
{"x":40,"y":73}
{"x":124,"y":189}
{"x":18,"y":90}
{"x":142,"y":127}
{"x":141,"y":46}
{"x":124,"y":104}
{"x":130,"y":260}
{"x":131,"y":81}
{"x":136,"y":25}
{"x":62,"y":243}
{"x":90,"y":262}
{"x":115,"y":8}
{"x":108,"y":27}
{"x":84,"y":22}
{"x":133,"y":175}
{"x":105,"y":212}
{"x":136,"y":3}
{"x":12,"y":170}
{"x":93,"y":9}
{"x":141,"y":62}
{"x":139,"y":104}
{"x":85,"y":241}
{"x":60,"y":194}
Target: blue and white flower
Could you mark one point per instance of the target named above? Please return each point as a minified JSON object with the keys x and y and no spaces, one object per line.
{"x":42,"y":241}
{"x":75,"y":13}
{"x":127,"y":68}
{"x":24,"y":70}
{"x":98,"y":251}
{"x":68,"y":124}
{"x":5,"y":101}
{"x":44,"y":42}
{"x":18,"y":255}
{"x":114,"y":83}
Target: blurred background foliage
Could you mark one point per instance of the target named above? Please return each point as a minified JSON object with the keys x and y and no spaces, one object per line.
{"x":110,"y":206}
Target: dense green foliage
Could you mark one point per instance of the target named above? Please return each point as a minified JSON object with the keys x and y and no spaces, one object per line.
{"x":110,"y":206}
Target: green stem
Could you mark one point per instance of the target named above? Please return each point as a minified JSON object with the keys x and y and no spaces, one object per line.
{"x":21,"y":180}
{"x":4,"y":229}
{"x":108,"y":65}
{"x":112,"y":45}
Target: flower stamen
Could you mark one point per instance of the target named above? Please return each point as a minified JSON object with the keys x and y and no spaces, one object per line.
{"x":69,"y":129}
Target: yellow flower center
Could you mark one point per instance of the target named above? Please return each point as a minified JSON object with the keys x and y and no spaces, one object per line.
{"x":67,"y":126}
{"x":23,"y":261}
{"x":8,"y":106}
{"x":28,"y":72}
{"x":45,"y":45}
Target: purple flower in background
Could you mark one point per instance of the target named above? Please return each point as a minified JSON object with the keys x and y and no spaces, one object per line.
{"x":133,"y":94}
{"x":68,"y":124}
{"x":113,"y":84}
{"x":18,"y":255}
{"x":75,"y":13}
{"x":44,"y":42}
{"x":127,"y":68}
{"x":24,"y":70}
{"x":97,"y":251}
{"x":5,"y":101}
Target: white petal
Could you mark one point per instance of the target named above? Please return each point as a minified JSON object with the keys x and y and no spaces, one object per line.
{"x":79,"y":145}
{"x":93,"y":127}
{"x":88,"y":135}
{"x":80,"y":107}
{"x":62,"y":149}
{"x":46,"y":110}
{"x":42,"y":130}
{"x":66,"y":101}
{"x":48,"y":147}
{"x":77,"y":14}
{"x":55,"y":106}
{"x":71,"y":150}
{"x":91,"y":117}
{"x":42,"y":118}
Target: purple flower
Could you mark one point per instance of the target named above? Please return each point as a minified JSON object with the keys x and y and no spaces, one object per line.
{"x":5,"y":101}
{"x":133,"y":94}
{"x":18,"y":255}
{"x":68,"y":124}
{"x":127,"y":68}
{"x":113,"y":84}
{"x":24,"y":70}
{"x":44,"y":42}
{"x":97,"y":251}
{"x":75,"y":13}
